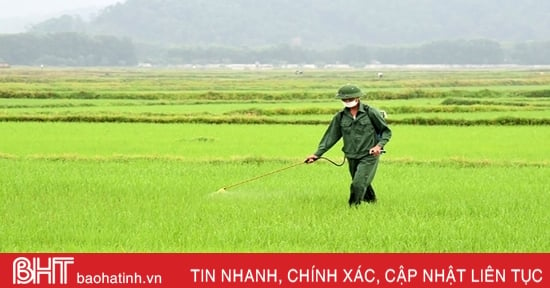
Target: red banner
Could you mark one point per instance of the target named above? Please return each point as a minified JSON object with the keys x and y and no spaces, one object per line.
{"x":275,"y":270}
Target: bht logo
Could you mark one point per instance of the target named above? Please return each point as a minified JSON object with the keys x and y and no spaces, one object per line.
{"x":31,"y":271}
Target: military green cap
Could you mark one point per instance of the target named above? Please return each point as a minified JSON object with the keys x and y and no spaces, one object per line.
{"x":349,"y":91}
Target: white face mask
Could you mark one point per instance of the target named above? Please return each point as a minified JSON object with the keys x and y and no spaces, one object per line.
{"x":350,"y":104}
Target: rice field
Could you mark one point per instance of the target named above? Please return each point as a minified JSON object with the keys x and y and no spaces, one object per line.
{"x":73,"y":178}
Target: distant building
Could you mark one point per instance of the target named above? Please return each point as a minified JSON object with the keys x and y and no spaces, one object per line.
{"x":4,"y":65}
{"x":241,"y":66}
{"x":145,"y":65}
{"x":337,"y":66}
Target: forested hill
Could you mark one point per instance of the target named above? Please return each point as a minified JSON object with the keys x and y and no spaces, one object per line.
{"x":321,"y":23}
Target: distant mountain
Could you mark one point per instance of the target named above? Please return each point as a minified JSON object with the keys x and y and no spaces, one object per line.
{"x":21,"y":24}
{"x":319,"y":23}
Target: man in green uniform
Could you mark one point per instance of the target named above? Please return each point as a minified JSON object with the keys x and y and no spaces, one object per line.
{"x":365,"y":132}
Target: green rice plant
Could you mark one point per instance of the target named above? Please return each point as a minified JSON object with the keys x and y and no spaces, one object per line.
{"x":172,"y":206}
{"x":114,"y":160}
{"x":112,"y":83}
{"x":455,"y":101}
{"x":545,"y":93}
{"x":500,"y":121}
{"x":199,"y":142}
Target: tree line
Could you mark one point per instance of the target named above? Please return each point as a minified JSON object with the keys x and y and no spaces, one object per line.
{"x":79,"y":49}
{"x":66,"y":49}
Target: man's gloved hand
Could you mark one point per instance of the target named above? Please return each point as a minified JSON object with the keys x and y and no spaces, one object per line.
{"x":311,"y":158}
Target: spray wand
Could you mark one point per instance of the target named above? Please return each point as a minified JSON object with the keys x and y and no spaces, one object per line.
{"x":224,"y":189}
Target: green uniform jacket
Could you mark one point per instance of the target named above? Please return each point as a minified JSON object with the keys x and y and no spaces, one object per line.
{"x":359,"y":134}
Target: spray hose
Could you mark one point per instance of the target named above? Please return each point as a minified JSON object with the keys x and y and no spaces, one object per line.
{"x":333,"y":163}
{"x":343,"y":161}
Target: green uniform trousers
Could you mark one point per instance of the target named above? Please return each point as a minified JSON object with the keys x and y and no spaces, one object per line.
{"x":362,"y":173}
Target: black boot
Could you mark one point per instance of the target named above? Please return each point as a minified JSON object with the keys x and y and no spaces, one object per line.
{"x":353,"y":201}
{"x":370,"y":196}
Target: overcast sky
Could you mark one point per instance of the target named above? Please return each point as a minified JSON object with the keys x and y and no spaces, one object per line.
{"x":25,"y":8}
{"x":17,"y":15}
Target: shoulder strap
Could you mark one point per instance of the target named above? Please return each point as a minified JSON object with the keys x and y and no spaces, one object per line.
{"x":373,"y":122}
{"x":341,"y":114}
{"x":371,"y":117}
